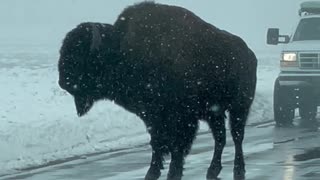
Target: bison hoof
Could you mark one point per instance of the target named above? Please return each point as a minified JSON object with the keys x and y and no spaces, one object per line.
{"x":212,"y":173}
{"x":152,"y":174}
{"x":239,"y":173}
{"x":175,"y":173}
{"x":174,"y":177}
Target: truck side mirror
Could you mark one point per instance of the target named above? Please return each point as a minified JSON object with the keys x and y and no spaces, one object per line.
{"x":286,"y":39}
{"x":273,"y":36}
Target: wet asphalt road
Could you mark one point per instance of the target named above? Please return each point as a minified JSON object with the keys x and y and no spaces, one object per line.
{"x":271,"y":153}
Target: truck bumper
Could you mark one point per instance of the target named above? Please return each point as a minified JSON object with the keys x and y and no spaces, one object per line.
{"x":299,"y":80}
{"x":305,"y":86}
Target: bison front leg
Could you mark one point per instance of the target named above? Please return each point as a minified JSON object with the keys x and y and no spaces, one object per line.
{"x":181,"y":143}
{"x":176,"y":165}
{"x":159,"y":148}
{"x":156,"y":165}
{"x":237,"y":123}
{"x":217,"y":126}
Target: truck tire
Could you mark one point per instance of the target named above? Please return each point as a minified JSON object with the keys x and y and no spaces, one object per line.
{"x":308,"y":106}
{"x":283,"y":107}
{"x":308,"y":113}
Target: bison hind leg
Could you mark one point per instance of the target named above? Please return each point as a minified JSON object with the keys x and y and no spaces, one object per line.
{"x":238,"y":118}
{"x":216,"y":123}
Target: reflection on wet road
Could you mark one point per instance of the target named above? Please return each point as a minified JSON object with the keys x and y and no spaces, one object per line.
{"x":271,"y":153}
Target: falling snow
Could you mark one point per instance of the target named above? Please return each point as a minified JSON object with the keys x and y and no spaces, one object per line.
{"x":215,"y":108}
{"x":50,"y":124}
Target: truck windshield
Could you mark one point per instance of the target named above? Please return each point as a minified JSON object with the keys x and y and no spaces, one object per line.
{"x":308,"y":29}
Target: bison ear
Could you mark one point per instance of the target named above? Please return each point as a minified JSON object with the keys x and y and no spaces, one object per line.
{"x":83,"y":104}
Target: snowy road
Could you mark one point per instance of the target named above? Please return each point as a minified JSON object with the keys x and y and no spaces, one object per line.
{"x":271,"y":153}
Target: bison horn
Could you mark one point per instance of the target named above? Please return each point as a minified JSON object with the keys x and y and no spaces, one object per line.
{"x":96,"y":38}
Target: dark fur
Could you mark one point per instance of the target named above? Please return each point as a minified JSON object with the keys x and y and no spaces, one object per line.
{"x":169,"y":67}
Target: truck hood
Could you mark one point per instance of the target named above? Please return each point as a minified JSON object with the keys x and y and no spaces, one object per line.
{"x":313,"y":45}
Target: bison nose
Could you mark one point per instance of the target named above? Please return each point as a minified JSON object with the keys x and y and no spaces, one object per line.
{"x":62,"y":84}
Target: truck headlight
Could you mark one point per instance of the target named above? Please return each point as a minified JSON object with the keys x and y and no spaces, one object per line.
{"x":289,"y":56}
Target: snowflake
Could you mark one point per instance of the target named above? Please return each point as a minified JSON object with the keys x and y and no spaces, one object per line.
{"x":215,"y":108}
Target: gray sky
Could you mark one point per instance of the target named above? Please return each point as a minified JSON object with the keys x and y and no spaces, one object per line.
{"x":47,"y":21}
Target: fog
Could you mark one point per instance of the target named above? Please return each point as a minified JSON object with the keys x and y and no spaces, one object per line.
{"x":47,"y":21}
{"x":40,"y":126}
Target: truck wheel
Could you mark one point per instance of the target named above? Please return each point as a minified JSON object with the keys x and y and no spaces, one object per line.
{"x":308,"y":106}
{"x":308,"y":113}
{"x":282,"y":108}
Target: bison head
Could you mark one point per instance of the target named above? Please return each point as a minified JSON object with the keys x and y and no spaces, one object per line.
{"x":86,"y":53}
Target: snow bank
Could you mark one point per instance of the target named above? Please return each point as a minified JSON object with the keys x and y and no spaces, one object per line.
{"x":268,"y":70}
{"x":39,"y":122}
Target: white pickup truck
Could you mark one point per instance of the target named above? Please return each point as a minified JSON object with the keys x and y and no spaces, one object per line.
{"x":298,"y":84}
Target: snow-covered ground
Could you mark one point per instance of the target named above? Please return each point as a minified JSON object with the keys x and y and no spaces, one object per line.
{"x":39,"y":122}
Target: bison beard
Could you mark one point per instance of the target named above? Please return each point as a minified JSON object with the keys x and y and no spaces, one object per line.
{"x":169,"y":67}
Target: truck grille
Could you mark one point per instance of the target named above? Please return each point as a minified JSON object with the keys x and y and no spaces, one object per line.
{"x":309,"y":60}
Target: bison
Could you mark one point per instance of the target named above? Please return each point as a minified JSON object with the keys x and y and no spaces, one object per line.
{"x":172,"y":69}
